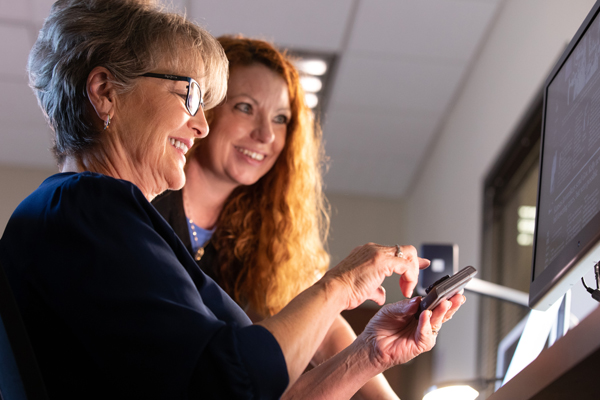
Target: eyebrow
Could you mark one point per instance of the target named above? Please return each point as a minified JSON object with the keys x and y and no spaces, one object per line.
{"x":245,"y":95}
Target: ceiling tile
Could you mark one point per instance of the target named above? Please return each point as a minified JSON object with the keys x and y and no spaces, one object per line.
{"x":307,"y":24}
{"x":24,"y":134}
{"x":374,"y":152}
{"x":15,"y":44}
{"x":370,"y":174}
{"x":429,"y":29}
{"x":387,"y":84}
{"x":355,"y":130}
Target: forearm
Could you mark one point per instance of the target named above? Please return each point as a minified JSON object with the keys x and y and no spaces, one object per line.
{"x":340,"y":377}
{"x":377,"y":388}
{"x":300,"y":327}
{"x":340,"y":336}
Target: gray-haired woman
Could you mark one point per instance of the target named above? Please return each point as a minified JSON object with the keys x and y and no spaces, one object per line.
{"x":114,"y":304}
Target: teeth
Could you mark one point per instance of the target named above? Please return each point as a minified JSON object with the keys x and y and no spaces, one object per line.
{"x":178,"y":145}
{"x":251,"y":154}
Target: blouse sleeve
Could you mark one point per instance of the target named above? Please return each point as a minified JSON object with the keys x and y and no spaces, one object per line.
{"x":120,"y":283}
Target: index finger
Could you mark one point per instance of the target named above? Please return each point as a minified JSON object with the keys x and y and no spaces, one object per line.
{"x":409,"y":268}
{"x":408,"y":281}
{"x":423,"y":263}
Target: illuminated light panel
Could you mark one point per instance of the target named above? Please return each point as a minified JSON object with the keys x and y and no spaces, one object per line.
{"x":526,"y":225}
{"x":312,"y":66}
{"x":311,"y":84}
{"x":457,"y":392}
{"x":311,"y":100}
{"x":527,"y":212}
{"x":525,"y":239}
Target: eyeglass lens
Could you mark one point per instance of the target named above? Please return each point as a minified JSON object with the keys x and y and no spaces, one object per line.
{"x":194,"y":99}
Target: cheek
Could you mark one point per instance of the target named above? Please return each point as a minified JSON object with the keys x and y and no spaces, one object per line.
{"x":279,"y":143}
{"x":214,"y":146}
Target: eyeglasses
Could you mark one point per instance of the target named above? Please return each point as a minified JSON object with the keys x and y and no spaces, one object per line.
{"x":193,"y":99}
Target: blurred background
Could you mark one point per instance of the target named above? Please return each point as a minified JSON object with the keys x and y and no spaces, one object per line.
{"x":419,"y":100}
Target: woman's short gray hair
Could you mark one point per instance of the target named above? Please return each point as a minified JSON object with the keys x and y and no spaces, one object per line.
{"x":127,"y":37}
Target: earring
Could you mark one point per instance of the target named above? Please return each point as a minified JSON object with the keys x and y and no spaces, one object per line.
{"x":107,"y":122}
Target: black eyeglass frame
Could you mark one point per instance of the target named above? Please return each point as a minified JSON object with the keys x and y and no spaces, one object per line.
{"x":190,"y":81}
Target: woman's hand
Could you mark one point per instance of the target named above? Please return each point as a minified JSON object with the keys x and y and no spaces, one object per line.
{"x":394,"y":336}
{"x":363,"y":271}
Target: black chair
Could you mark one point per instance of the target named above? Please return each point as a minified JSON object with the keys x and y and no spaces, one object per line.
{"x":20,"y":377}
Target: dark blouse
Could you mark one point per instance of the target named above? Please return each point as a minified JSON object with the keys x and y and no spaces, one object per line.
{"x":170,"y":206}
{"x":117,"y":308}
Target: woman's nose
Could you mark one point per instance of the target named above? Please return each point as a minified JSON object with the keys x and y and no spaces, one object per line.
{"x":263,"y":132}
{"x":199,"y":124}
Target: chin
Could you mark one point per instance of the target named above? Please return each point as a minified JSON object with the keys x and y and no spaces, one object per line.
{"x":247,"y":178}
{"x":175,"y":182}
{"x":247,"y":181}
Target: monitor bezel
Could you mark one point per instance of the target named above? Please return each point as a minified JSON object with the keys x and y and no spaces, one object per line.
{"x":561,"y":273}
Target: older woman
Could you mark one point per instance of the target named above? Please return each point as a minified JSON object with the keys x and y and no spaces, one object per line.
{"x":252,"y":212}
{"x":114,"y":305}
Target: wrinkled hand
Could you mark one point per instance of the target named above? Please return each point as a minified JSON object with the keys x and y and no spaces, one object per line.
{"x":363,"y":271}
{"x":394,"y":336}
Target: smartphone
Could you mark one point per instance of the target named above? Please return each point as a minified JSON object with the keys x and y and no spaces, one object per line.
{"x":445,"y":288}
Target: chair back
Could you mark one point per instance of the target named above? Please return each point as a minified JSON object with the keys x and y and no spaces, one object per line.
{"x":20,"y":377}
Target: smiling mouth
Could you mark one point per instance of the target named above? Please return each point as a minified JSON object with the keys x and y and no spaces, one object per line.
{"x":178,"y":145}
{"x":253,"y":155}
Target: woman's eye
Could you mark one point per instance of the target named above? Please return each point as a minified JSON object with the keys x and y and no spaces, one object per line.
{"x":281,"y":119}
{"x":244,"y":107}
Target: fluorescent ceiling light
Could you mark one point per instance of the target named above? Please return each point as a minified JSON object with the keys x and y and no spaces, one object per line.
{"x":311,"y":100}
{"x":527,"y":212}
{"x":315,"y":71}
{"x":312,"y":66}
{"x":311,"y":84}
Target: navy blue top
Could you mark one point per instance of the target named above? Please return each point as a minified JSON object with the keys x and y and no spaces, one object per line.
{"x":117,"y":308}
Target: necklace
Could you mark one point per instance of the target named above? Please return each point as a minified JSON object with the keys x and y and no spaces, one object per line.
{"x":200,"y":252}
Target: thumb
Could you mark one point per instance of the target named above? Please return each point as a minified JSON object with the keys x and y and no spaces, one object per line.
{"x":379,"y":296}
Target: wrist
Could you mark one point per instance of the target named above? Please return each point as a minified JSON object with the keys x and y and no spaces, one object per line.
{"x":335,"y":292}
{"x":368,"y":355}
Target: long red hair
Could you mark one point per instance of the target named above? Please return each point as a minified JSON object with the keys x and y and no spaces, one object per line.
{"x":270,"y":235}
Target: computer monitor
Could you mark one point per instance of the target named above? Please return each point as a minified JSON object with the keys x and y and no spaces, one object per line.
{"x":567,"y":234}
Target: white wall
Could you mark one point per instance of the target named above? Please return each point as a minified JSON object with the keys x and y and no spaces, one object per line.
{"x":357,"y":220}
{"x":446,"y":203}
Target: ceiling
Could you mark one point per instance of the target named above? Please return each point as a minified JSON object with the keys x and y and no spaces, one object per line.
{"x":400,"y":65}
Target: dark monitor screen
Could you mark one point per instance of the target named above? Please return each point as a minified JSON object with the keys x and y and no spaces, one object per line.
{"x":567,"y":233}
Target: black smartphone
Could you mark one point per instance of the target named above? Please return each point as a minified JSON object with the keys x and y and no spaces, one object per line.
{"x":445,"y":288}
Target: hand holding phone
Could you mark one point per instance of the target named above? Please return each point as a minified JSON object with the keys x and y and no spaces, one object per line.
{"x":445,"y":288}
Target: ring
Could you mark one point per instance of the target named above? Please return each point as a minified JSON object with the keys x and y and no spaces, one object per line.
{"x":399,"y":252}
{"x":435,"y":330}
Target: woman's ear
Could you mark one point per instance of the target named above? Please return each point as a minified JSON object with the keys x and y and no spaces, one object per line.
{"x":101,"y":92}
